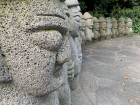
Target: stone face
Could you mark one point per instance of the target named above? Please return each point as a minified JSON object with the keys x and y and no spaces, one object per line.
{"x":121,"y":25}
{"x":36,"y":48}
{"x":88,"y":29}
{"x":128,"y":27}
{"x":76,"y":52}
{"x":114,"y":28}
{"x":102,"y":28}
{"x":96,"y":28}
{"x":108,"y":28}
{"x":82,"y":35}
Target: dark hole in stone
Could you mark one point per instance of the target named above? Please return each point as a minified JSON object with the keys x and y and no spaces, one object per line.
{"x":121,"y":60}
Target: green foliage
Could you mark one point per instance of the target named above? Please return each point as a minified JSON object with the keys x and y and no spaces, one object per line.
{"x":133,"y":13}
{"x":83,"y":5}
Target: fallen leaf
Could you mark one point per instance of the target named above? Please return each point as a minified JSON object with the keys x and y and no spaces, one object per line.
{"x":130,"y":100}
{"x":78,"y":91}
{"x":90,"y":52}
{"x":113,"y":57}
{"x":128,"y":67}
{"x":126,"y":77}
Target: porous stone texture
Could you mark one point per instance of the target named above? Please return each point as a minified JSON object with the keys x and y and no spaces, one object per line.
{"x":108,"y":28}
{"x":96,"y":29}
{"x":128,"y":27}
{"x":114,"y":28}
{"x":76,"y":53}
{"x":121,"y":29}
{"x":35,"y":47}
{"x":88,"y":29}
{"x":102,"y":28}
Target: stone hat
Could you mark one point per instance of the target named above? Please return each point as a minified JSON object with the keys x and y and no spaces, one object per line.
{"x":87,"y":16}
{"x":101,"y":19}
{"x":108,"y":20}
{"x":79,"y":8}
{"x":95,"y":20}
{"x":71,"y":3}
{"x":128,"y":20}
{"x":113,"y":19}
{"x":82,"y":16}
{"x":120,"y":19}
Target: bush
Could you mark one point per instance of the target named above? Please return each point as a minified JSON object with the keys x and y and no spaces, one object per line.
{"x":133,"y":13}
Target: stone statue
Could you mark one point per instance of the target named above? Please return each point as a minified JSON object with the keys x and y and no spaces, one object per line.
{"x":96,"y":29}
{"x":88,"y":29}
{"x":114,"y":28}
{"x":108,"y":28}
{"x":102,"y":28}
{"x":121,"y":29}
{"x":64,"y":92}
{"x":128,"y":27}
{"x":83,"y":31}
{"x":75,"y":26}
{"x":35,"y":48}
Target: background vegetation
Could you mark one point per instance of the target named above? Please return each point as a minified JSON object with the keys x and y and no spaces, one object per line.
{"x":114,"y":8}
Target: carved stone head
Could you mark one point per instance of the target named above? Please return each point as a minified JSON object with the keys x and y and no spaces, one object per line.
{"x":33,"y":43}
{"x":95,"y":23}
{"x":102,"y":23}
{"x":108,"y":23}
{"x":121,"y":22}
{"x":128,"y":23}
{"x":75,"y":23}
{"x":83,"y":21}
{"x":88,"y":20}
{"x":114,"y":23}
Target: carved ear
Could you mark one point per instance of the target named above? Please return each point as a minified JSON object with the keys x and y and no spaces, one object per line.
{"x":5,"y":76}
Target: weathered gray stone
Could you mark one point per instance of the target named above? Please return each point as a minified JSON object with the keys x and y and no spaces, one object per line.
{"x":125,"y":61}
{"x":131,"y":48}
{"x":131,"y":71}
{"x":76,"y":53}
{"x":102,"y":28}
{"x":108,"y":28}
{"x":108,"y":83}
{"x":103,"y":59}
{"x":87,"y":80}
{"x":88,"y":30}
{"x":35,"y":45}
{"x":109,"y":96}
{"x":132,"y":88}
{"x":128,"y":27}
{"x":121,"y":29}
{"x":114,"y":27}
{"x":137,"y":44}
{"x":79,"y":97}
{"x":129,"y":53}
{"x":96,"y":27}
{"x":128,"y":43}
{"x":103,"y":53}
{"x":107,"y":72}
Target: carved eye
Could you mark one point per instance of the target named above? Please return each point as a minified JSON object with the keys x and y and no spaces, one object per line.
{"x":77,"y":18}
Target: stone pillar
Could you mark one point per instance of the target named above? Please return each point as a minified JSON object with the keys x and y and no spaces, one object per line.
{"x":102,"y":28}
{"x":128,"y":27}
{"x":108,"y":28}
{"x":121,"y":29}
{"x":76,"y":54}
{"x":88,"y":29}
{"x":96,"y":26}
{"x":114,"y":28}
